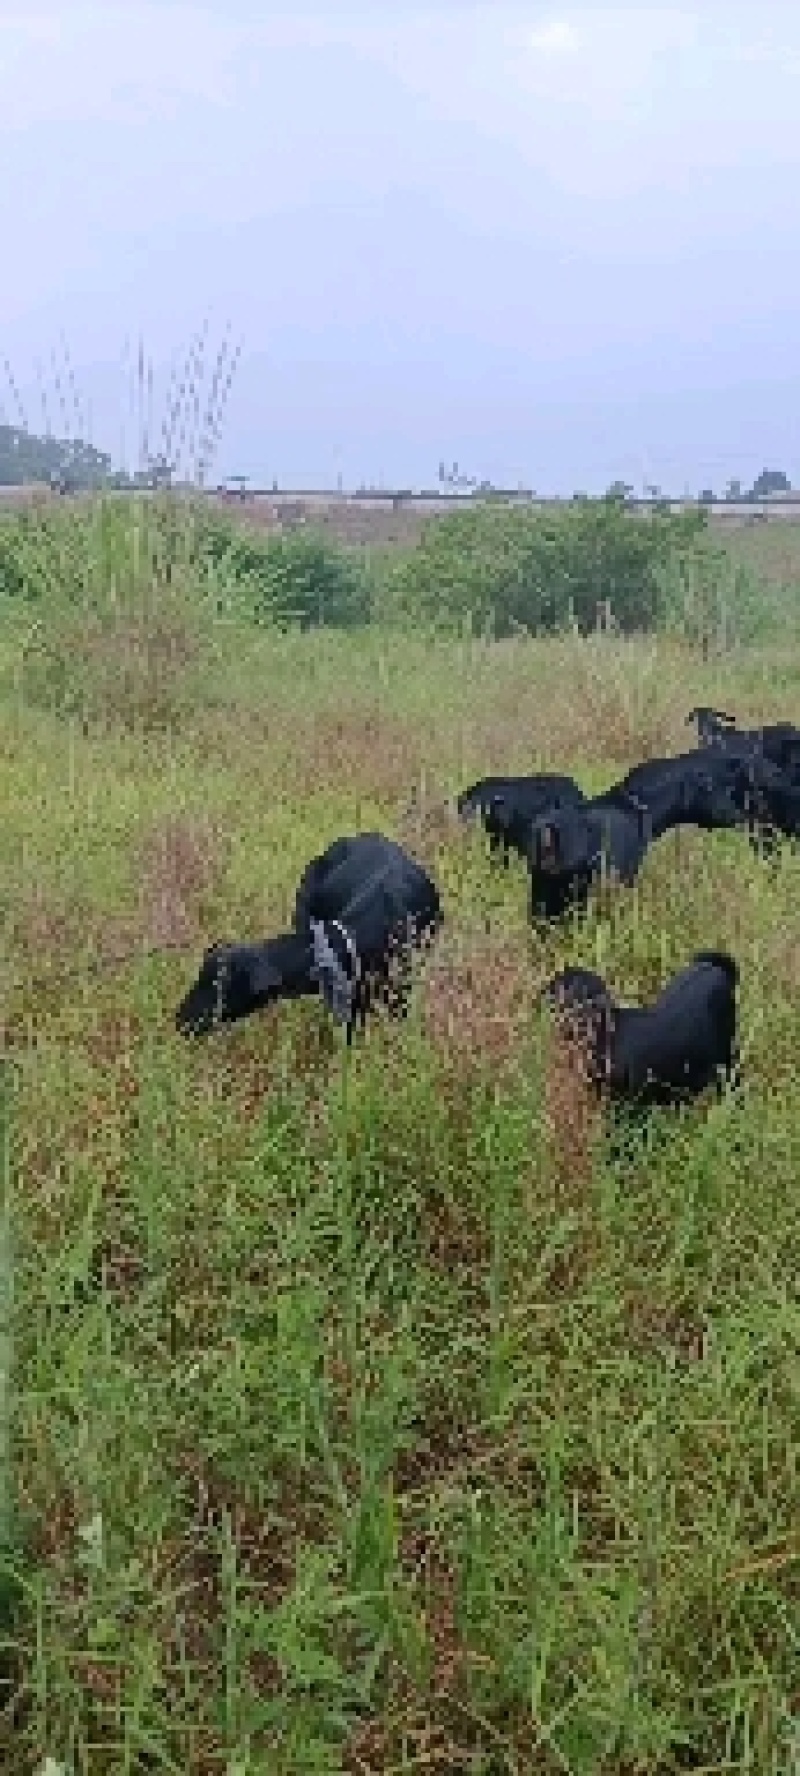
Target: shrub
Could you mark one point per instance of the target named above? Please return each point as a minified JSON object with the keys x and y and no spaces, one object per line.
{"x":297,"y":578}
{"x":512,"y":567}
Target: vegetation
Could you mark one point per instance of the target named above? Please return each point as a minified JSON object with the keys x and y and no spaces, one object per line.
{"x":512,"y":568}
{"x":26,"y":458}
{"x":361,"y":1415}
{"x":298,"y":578}
{"x":493,"y":569}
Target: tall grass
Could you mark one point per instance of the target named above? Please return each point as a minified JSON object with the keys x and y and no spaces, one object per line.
{"x":7,"y":1525}
{"x":365,"y":1414}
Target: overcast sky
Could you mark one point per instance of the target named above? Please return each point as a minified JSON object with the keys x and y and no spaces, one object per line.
{"x":554,"y":245}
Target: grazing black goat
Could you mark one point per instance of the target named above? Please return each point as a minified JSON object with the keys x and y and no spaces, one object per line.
{"x":778,"y":742}
{"x":567,"y":847}
{"x":763,"y":767}
{"x":509,"y":805}
{"x":662,"y":1053}
{"x":779,"y":803}
{"x":772,"y":802}
{"x":689,"y":790}
{"x":361,"y":908}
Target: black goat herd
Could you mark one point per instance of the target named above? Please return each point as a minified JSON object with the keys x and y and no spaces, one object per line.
{"x":365,"y":905}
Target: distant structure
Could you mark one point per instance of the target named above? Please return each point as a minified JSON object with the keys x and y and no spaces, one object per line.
{"x":235,"y":487}
{"x":769,"y":483}
{"x":455,"y":482}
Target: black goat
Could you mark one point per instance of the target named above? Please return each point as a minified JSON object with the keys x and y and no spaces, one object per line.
{"x":567,"y":847}
{"x":509,"y":805}
{"x":766,"y":794}
{"x":661,"y":1053}
{"x":689,"y":790}
{"x":361,"y":908}
{"x":778,"y":742}
{"x":774,"y":805}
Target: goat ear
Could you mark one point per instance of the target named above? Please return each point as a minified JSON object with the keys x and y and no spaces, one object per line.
{"x":548,"y":841}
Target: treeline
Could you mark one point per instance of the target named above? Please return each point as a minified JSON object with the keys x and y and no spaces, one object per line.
{"x":26,"y":458}
{"x":67,"y":465}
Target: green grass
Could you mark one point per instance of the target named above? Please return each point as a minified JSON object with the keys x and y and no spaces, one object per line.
{"x":363,"y":1417}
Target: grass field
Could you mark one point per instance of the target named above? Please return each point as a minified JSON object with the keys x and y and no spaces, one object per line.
{"x":364,"y":1417}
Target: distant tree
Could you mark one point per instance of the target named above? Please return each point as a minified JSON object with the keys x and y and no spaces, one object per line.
{"x":25,"y":458}
{"x":770,"y":481}
{"x":733,"y":490}
{"x":619,"y":490}
{"x":707,"y":496}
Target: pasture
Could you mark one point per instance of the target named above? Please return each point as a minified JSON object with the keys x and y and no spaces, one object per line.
{"x":360,"y":1414}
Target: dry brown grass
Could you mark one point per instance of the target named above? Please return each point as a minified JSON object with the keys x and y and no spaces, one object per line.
{"x":610,"y":712}
{"x":368,"y":749}
{"x":131,"y":671}
{"x":476,"y":1000}
{"x":139,"y":669}
{"x":180,"y":864}
{"x":427,"y":823}
{"x":573,"y":1117}
{"x":56,"y":938}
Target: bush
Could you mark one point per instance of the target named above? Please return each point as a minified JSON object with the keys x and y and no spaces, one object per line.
{"x":297,"y":578}
{"x":512,"y":567}
{"x":119,"y":553}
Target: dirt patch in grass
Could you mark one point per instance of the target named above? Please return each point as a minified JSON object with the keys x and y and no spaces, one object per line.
{"x":425,"y":1727}
{"x":454,"y":1242}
